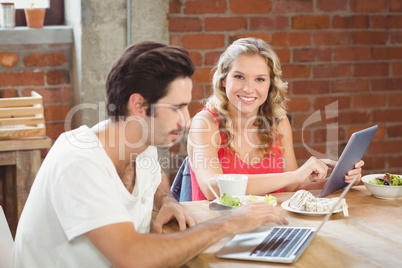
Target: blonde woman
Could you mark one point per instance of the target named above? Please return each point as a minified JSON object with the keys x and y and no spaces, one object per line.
{"x":244,"y":128}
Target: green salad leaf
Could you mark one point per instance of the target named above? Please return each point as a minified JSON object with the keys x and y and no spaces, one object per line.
{"x":270,"y":199}
{"x":229,"y":200}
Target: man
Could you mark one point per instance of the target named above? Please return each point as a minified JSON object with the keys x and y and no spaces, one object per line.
{"x":92,"y":200}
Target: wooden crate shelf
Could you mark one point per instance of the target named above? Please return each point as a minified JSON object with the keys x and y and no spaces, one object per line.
{"x":22,"y":117}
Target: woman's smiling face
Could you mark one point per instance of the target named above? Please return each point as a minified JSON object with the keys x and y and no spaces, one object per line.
{"x":247,"y":84}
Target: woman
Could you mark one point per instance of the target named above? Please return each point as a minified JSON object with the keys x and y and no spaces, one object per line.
{"x":244,"y":128}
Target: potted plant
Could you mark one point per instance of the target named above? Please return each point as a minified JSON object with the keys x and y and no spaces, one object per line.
{"x":35,"y":16}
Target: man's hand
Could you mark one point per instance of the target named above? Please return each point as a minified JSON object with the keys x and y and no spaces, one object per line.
{"x":170,"y":210}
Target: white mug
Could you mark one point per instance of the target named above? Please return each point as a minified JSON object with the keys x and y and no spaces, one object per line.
{"x":231,"y":184}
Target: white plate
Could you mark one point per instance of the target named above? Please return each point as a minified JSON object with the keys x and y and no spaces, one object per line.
{"x":285,"y":205}
{"x":244,"y":199}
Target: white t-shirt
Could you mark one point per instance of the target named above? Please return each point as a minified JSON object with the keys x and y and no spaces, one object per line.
{"x":76,"y":190}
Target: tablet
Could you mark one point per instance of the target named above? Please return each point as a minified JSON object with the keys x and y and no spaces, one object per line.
{"x":353,"y":153}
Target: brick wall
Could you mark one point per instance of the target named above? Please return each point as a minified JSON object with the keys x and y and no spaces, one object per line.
{"x":43,"y":68}
{"x":343,"y":51}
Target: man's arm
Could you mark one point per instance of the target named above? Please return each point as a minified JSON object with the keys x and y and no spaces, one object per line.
{"x":124,"y":247}
{"x":169,"y":208}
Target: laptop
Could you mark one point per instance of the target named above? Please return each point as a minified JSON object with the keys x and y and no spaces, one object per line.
{"x":282,"y":244}
{"x":353,"y":153}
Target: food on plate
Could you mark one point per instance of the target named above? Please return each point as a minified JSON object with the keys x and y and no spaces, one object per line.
{"x":303,"y":200}
{"x":387,"y":179}
{"x":229,"y":200}
{"x":234,"y":201}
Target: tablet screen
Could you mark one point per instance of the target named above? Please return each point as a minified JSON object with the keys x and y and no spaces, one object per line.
{"x":353,"y":153}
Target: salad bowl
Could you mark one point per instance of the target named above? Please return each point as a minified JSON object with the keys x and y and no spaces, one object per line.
{"x":381,"y":191}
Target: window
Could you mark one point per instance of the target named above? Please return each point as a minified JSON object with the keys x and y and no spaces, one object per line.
{"x":54,"y":14}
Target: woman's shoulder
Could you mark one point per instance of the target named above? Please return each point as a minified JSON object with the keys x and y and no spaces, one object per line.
{"x":284,"y":124}
{"x":206,"y":118}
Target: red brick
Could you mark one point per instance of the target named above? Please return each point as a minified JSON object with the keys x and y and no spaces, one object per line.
{"x":389,"y":115}
{"x":386,"y":84}
{"x":262,"y":36}
{"x":373,"y":162}
{"x":8,"y":93}
{"x":310,"y":22}
{"x":312,"y":54}
{"x":351,"y":22}
{"x":387,"y":53}
{"x":202,"y":75}
{"x":295,"y":71}
{"x":299,"y":105}
{"x":321,"y":102}
{"x":331,"y":38}
{"x":53,"y":130}
{"x":333,"y":70}
{"x":58,"y":112}
{"x":283,"y":55}
{"x":51,"y":95}
{"x":295,"y":6}
{"x":45,"y":59}
{"x":352,"y":53}
{"x":395,"y":5}
{"x":198,"y":92}
{"x":320,"y":135}
{"x":310,"y":87}
{"x":298,"y":119}
{"x":354,"y":117}
{"x":211,"y":58}
{"x":354,"y":85}
{"x":331,"y":5}
{"x":385,"y":147}
{"x":196,"y":58}
{"x":396,"y":37}
{"x":205,"y":6}
{"x":370,"y":38}
{"x":225,"y":24}
{"x":174,"y":6}
{"x":203,"y":41}
{"x":395,"y":162}
{"x":8,"y":60}
{"x":364,"y":6}
{"x":195,"y":107}
{"x":300,"y":136}
{"x":22,"y":78}
{"x":387,"y":22}
{"x":268,"y":23}
{"x":175,"y":40}
{"x":291,"y":39}
{"x":395,"y":132}
{"x":371,"y":69}
{"x":368,"y":101}
{"x":185,"y":25}
{"x":395,"y":100}
{"x":57,"y":77}
{"x":250,"y":6}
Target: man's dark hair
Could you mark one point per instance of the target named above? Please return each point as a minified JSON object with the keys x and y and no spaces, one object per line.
{"x":146,"y":68}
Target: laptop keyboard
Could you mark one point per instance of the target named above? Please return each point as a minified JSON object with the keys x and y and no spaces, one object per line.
{"x":281,"y":242}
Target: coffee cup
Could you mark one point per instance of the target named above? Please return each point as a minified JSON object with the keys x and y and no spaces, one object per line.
{"x":231,"y":184}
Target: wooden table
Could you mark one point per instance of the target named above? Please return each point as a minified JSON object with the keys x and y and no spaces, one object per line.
{"x":370,"y":237}
{"x":20,"y":160}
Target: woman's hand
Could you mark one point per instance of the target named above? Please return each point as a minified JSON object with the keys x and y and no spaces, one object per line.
{"x":313,"y":170}
{"x":356,"y":171}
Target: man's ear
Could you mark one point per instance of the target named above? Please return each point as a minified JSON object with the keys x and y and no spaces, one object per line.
{"x":135,"y":104}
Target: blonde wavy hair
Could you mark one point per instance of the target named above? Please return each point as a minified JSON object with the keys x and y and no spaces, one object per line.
{"x":274,"y":108}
